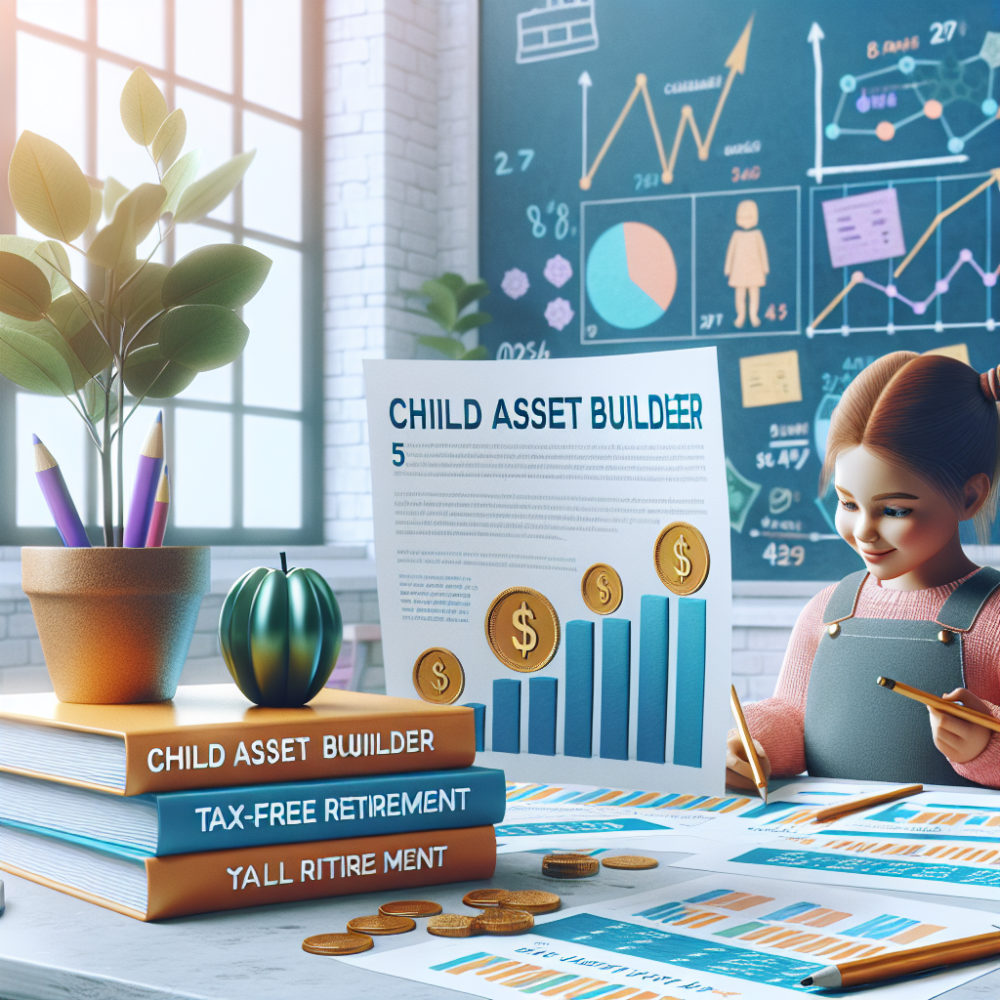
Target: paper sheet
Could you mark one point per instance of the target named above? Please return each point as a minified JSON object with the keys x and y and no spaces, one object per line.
{"x":770,"y":379}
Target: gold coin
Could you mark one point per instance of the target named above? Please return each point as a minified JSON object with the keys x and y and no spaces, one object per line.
{"x":380,"y":924}
{"x":569,"y":866}
{"x":438,"y":676}
{"x":681,"y":558}
{"x":502,"y":921}
{"x":484,"y":899}
{"x":409,"y":908}
{"x":630,"y":862}
{"x":531,"y":901}
{"x":522,"y":628}
{"x":602,"y":590}
{"x":337,"y":944}
{"x":452,"y":925}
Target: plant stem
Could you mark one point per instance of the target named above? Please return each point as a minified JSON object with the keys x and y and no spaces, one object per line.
{"x":109,"y":528}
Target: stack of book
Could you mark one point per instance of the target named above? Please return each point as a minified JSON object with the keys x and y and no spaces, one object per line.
{"x":205,"y":803}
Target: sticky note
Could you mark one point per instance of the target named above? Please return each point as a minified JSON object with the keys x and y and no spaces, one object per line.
{"x":769,"y":379}
{"x":960,"y":352}
{"x":863,"y":228}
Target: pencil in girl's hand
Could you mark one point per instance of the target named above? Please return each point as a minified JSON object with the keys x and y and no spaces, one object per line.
{"x":161,"y":506}
{"x":147,"y":477}
{"x":58,"y":498}
{"x":939,"y":704}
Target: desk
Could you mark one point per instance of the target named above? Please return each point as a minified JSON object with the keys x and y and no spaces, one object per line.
{"x":53,"y":946}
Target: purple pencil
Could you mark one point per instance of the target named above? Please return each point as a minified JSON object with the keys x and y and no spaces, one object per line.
{"x":147,"y":477}
{"x":58,"y":498}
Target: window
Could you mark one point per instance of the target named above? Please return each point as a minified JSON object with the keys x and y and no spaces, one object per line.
{"x":244,"y":442}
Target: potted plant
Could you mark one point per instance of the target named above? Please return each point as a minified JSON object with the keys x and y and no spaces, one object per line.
{"x":115,"y":623}
{"x":447,"y":296}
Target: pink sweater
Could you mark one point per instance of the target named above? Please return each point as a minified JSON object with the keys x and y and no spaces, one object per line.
{"x":777,"y":722}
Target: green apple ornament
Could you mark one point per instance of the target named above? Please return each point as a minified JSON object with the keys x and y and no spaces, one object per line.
{"x":280,"y":632}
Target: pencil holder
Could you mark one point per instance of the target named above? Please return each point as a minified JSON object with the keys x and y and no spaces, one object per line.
{"x":115,"y":624}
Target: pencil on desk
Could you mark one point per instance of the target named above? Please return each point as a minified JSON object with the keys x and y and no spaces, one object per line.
{"x":57,"y":496}
{"x":760,"y":780}
{"x":864,"y":801}
{"x":147,"y":477}
{"x":939,"y":704}
{"x":161,"y":507}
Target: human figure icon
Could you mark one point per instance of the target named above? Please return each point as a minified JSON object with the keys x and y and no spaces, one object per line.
{"x":746,"y":262}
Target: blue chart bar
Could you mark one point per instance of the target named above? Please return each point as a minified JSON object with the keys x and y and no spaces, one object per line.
{"x":794,"y":910}
{"x":507,"y":716}
{"x":480,"y":709}
{"x":651,"y":738}
{"x":616,"y":648}
{"x":690,"y":681}
{"x":542,"y":692}
{"x":579,"y":720}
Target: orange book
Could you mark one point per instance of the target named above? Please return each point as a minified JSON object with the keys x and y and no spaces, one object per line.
{"x":150,"y":888}
{"x":210,"y":736}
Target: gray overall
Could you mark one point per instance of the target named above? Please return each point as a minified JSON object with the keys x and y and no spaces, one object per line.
{"x":856,"y":729}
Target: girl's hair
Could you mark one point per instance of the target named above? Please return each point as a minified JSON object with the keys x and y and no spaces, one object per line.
{"x":931,"y":415}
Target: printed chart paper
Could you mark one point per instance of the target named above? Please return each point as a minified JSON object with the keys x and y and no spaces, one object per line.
{"x":555,"y":537}
{"x":723,"y":935}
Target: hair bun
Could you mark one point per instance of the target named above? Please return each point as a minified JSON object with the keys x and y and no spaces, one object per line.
{"x":989,"y":382}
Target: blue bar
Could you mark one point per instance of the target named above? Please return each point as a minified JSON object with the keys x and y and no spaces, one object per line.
{"x":542,"y":693}
{"x":507,"y":716}
{"x":579,"y":720}
{"x":690,"y":681}
{"x":654,"y":630}
{"x":794,"y":910}
{"x":707,"y":897}
{"x":480,"y":712}
{"x":616,"y":655}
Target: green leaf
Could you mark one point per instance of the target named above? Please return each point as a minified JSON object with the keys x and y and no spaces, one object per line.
{"x":441,"y":308}
{"x":135,"y":215}
{"x":226,"y":274}
{"x":114,"y":191}
{"x":30,"y":362}
{"x":80,"y":335}
{"x":96,"y":208}
{"x":178,"y":177}
{"x":211,"y":190}
{"x":140,"y":300}
{"x":52,"y":258}
{"x":24,"y":289}
{"x":448,"y":346}
{"x":48,"y":189}
{"x":169,"y":139}
{"x":143,"y":108}
{"x":471,"y":321}
{"x":202,"y":337}
{"x":453,"y":282}
{"x":476,"y":354}
{"x":469,"y":294}
{"x":94,"y":401}
{"x":148,"y":373}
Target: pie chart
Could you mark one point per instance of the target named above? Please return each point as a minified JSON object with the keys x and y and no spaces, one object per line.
{"x":631,"y":275}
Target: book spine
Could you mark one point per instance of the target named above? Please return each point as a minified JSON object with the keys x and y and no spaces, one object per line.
{"x":317,"y":747}
{"x":255,"y":876}
{"x":212,"y":820}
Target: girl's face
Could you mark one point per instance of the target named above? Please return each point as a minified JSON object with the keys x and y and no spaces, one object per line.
{"x":893,"y":519}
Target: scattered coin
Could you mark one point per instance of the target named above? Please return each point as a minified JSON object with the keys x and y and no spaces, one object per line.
{"x":680,"y":555}
{"x":531,"y":901}
{"x":569,"y":866}
{"x":438,"y":676}
{"x":452,"y":925}
{"x":502,"y":921}
{"x":602,"y":589}
{"x":483,"y":898}
{"x":409,"y":908}
{"x":630,"y":862}
{"x":380,"y":924}
{"x":522,"y":628}
{"x":337,"y":944}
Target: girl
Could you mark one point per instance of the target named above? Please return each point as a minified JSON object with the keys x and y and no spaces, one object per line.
{"x":913,"y":449}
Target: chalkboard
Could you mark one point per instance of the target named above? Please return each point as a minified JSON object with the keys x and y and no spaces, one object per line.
{"x":805,"y":185}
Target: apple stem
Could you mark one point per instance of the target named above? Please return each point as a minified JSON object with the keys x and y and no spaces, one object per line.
{"x":284,"y":564}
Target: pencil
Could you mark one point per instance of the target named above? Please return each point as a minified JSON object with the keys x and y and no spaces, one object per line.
{"x":905,"y":963}
{"x":864,"y":801}
{"x":741,"y":724}
{"x":161,"y":506}
{"x":147,"y":476}
{"x":58,"y":499}
{"x":939,"y":704}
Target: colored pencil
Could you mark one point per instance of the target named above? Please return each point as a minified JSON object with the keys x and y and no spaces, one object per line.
{"x":147,"y":477}
{"x":759,"y":778}
{"x":161,"y":507}
{"x":939,"y":704}
{"x":906,"y":963}
{"x":57,"y":496}
{"x":864,"y":801}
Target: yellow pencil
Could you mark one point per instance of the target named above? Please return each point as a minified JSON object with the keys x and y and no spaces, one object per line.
{"x":741,"y":724}
{"x":864,"y":801}
{"x":939,"y":704}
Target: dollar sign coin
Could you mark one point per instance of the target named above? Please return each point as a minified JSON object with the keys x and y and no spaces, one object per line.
{"x":438,"y":676}
{"x":602,"y":589}
{"x":681,"y":557}
{"x":522,"y":629}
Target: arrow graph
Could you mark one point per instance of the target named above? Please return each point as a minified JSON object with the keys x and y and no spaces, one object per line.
{"x":735,"y":63}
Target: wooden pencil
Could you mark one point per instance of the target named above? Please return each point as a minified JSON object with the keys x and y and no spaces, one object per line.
{"x":933,"y":701}
{"x":760,"y":780}
{"x":864,"y":801}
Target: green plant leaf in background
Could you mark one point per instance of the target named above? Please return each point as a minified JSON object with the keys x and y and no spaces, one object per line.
{"x":148,"y":373}
{"x":24,"y":289}
{"x":450,"y":347}
{"x":441,"y":308}
{"x":96,"y":207}
{"x":143,"y":108}
{"x":169,"y":139}
{"x":80,"y":334}
{"x":93,"y":400}
{"x":140,"y":300}
{"x":476,"y":354}
{"x":469,"y":293}
{"x":52,"y":258}
{"x":48,"y":189}
{"x":178,"y":177}
{"x":211,"y":190}
{"x":135,"y":215}
{"x":33,"y":364}
{"x":470,"y":321}
{"x":202,"y":337}
{"x":226,"y":274}
{"x":114,"y":191}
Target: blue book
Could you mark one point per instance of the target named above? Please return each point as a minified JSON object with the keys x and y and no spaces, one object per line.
{"x":212,"y":819}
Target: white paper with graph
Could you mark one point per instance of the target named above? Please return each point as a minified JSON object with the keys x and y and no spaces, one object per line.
{"x":723,"y":935}
{"x":502,"y":478}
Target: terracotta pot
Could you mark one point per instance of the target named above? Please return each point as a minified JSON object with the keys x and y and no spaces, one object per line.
{"x":115,"y":624}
